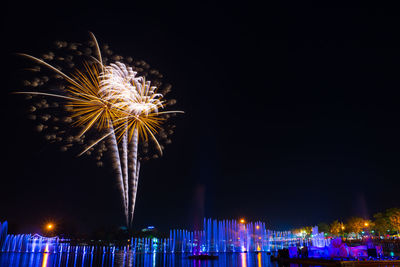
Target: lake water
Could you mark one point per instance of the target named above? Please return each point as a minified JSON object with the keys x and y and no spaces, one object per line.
{"x":131,"y":259}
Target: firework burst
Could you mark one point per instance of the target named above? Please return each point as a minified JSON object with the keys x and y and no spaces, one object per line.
{"x":114,"y":103}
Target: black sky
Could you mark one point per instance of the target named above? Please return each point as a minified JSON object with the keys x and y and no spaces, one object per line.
{"x":291,"y":113}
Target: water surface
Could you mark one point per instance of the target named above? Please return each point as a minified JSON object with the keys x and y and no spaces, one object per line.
{"x":131,"y":259}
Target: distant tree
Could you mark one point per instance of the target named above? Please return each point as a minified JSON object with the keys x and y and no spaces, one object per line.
{"x":323,"y":227}
{"x":308,"y":229}
{"x":394,"y":218}
{"x":336,"y":228}
{"x":295,"y":230}
{"x":357,"y":224}
{"x":382,"y":223}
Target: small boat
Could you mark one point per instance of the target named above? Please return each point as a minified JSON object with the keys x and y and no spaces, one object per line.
{"x":203,"y":257}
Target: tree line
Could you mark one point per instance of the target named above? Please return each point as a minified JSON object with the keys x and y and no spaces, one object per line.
{"x":382,"y":224}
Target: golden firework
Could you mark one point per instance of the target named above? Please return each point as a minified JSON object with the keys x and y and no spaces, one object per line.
{"x":136,"y":102}
{"x":91,"y":107}
{"x":116,"y":104}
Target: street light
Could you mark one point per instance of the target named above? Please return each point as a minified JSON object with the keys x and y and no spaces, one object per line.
{"x":49,"y":227}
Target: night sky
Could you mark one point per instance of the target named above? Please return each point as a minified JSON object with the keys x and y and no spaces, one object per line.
{"x":292,"y":114}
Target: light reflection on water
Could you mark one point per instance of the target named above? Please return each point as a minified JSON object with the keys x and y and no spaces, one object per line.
{"x":131,"y":259}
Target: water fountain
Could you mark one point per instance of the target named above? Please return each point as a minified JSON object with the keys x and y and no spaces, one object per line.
{"x":3,"y":232}
{"x":31,"y":243}
{"x":215,"y":237}
{"x":318,"y":239}
{"x":219,"y":236}
{"x":28,"y":242}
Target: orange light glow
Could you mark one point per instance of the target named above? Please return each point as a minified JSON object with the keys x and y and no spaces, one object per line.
{"x":49,"y":226}
{"x":259,"y":259}
{"x":45,"y":259}
{"x":366,"y":224}
{"x":244,"y":260}
{"x":242,"y":221}
{"x":257,"y":227}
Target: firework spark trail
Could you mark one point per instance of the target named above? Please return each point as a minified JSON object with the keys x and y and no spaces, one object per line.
{"x":116,"y":163}
{"x":133,"y":149}
{"x":124,"y":163}
{"x":141,"y":104}
{"x":135,"y":186}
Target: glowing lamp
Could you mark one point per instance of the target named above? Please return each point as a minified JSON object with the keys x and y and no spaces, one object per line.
{"x":242,"y":221}
{"x":49,"y":226}
{"x":366,"y":224}
{"x":257,"y":227}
